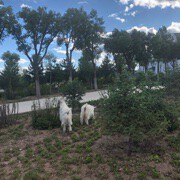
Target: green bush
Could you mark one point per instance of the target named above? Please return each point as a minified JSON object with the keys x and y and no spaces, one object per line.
{"x":47,"y":118}
{"x":172,"y":82}
{"x":73,"y":91}
{"x":142,"y":115}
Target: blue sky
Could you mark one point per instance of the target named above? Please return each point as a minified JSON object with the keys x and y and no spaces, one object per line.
{"x":143,"y":15}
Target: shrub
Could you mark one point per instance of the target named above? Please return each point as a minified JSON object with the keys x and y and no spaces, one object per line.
{"x":141,"y":115}
{"x":172,"y":83}
{"x":47,"y":118}
{"x":8,"y":114}
{"x":73,"y":91}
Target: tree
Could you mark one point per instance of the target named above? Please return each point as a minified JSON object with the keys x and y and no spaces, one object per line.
{"x":34,"y":36}
{"x":73,"y":21}
{"x":51,"y":59}
{"x":106,"y":71}
{"x":142,"y":48}
{"x":91,"y":41}
{"x":6,"y":20}
{"x":85,"y":70}
{"x":9,"y":76}
{"x":161,"y":46}
{"x":121,"y":47}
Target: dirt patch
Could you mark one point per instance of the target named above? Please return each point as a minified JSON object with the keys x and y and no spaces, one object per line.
{"x":110,"y":145}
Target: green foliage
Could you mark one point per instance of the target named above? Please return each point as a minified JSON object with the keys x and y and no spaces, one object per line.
{"x":174,"y":142}
{"x":7,"y":19}
{"x":46,"y":119}
{"x":137,"y":111}
{"x":9,"y":77}
{"x":175,"y":159}
{"x":73,"y":91}
{"x":31,"y":175}
{"x":172,"y":82}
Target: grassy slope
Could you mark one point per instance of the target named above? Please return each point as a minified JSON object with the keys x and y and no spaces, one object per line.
{"x":86,"y":153}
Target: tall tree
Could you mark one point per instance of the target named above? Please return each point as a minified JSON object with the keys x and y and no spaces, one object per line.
{"x":9,"y":76}
{"x":50,"y":62}
{"x":106,"y":70}
{"x":34,"y":33}
{"x":91,"y":41}
{"x":6,"y":20}
{"x":120,"y":45}
{"x":85,"y":70}
{"x":112,"y":45}
{"x":161,"y":46}
{"x":142,"y":48}
{"x":74,"y":20}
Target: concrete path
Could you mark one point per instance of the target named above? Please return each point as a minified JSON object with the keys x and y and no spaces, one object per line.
{"x":26,"y":106}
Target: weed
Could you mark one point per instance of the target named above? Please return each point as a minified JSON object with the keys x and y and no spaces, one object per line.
{"x":29,"y":152}
{"x":99,"y":158}
{"x":174,"y":142}
{"x":16,"y":174}
{"x":31,"y":175}
{"x":155,"y":158}
{"x":155,"y":173}
{"x":175,"y":159}
{"x":75,"y":138}
{"x":58,"y":144}
{"x":142,"y":175}
{"x":75,"y":178}
{"x":88,"y":159}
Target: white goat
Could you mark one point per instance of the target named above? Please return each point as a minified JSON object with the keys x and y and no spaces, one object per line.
{"x":87,"y":112}
{"x":65,"y":115}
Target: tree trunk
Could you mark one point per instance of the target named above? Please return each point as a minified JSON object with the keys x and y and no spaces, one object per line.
{"x":70,"y":72}
{"x":50,"y":81}
{"x":37,"y":84}
{"x":95,"y":76}
{"x":165,"y":64}
{"x":145,"y":68}
{"x":158,"y":70}
{"x":95,"y":82}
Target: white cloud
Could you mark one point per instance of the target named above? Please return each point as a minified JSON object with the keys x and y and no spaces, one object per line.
{"x":133,"y":13}
{"x":152,"y":3}
{"x":101,"y":58}
{"x":25,"y":6}
{"x":59,"y":50}
{"x":120,"y":19}
{"x":144,"y":29}
{"x":82,"y":2}
{"x":124,"y":1}
{"x":59,"y":60}
{"x":157,"y":3}
{"x":131,"y":6}
{"x":126,"y":9}
{"x":23,"y":61}
{"x":1,"y":61}
{"x":113,"y":15}
{"x":174,"y":27}
{"x":105,"y":35}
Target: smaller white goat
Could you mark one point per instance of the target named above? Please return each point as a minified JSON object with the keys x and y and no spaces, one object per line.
{"x":87,"y":112}
{"x":65,"y":115}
